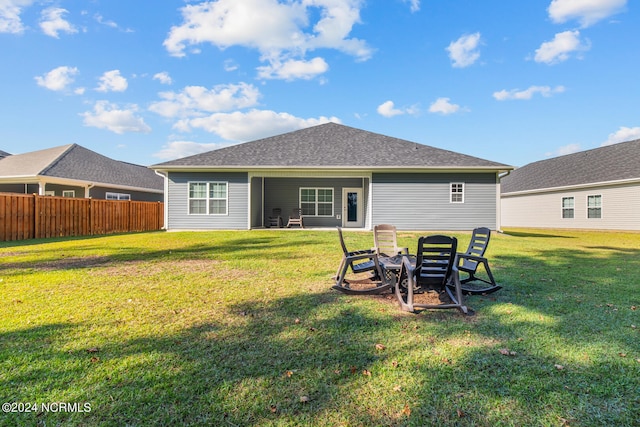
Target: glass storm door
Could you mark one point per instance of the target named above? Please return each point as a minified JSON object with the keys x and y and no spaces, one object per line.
{"x":352,"y":212}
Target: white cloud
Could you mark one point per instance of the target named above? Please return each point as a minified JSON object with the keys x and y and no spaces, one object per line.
{"x":587,"y":12}
{"x":109,"y":116}
{"x":443,"y":106}
{"x":10,"y":11}
{"x":198,"y":100}
{"x":163,"y":78}
{"x":293,"y":69}
{"x":277,"y":30}
{"x":180,"y":149}
{"x":57,"y":79}
{"x":112,"y":81}
{"x":387,"y":109}
{"x":52,"y":22}
{"x":463,"y":52}
{"x":622,"y":135}
{"x":560,"y":48}
{"x":414,"y":4}
{"x":526,"y":94}
{"x":254,"y":124}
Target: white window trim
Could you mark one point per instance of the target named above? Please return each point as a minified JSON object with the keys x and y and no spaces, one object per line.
{"x":65,"y":193}
{"x":333,"y":195}
{"x":562,"y":208}
{"x":117,"y":196}
{"x":600,"y":207}
{"x":207,"y":199}
{"x":451,"y":192}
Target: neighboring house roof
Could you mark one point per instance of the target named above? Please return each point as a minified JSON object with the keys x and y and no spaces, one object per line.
{"x":4,"y":154}
{"x":75,"y":162}
{"x":331,"y":145}
{"x":617,"y":162}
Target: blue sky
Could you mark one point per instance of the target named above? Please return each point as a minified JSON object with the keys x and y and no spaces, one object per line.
{"x":146,"y":82}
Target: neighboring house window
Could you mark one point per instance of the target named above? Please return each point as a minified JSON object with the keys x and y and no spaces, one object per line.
{"x":316,"y":201}
{"x":567,"y":207}
{"x":49,"y":193}
{"x":594,"y":206}
{"x":118,"y":196}
{"x":457,"y":192}
{"x":208,"y":198}
{"x":68,"y":193}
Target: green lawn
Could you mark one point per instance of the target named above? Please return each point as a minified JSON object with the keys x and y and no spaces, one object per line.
{"x":242,"y":329}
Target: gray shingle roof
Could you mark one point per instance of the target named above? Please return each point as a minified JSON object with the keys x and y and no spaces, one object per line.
{"x":331,"y":145}
{"x":605,"y":164}
{"x":4,"y":154}
{"x":78,"y":163}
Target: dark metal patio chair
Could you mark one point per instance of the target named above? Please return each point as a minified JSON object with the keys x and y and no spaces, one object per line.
{"x":431,"y":272}
{"x":471,"y":260}
{"x":275,"y":220}
{"x":362,"y":261}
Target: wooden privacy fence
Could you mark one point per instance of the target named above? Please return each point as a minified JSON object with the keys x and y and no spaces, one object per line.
{"x":29,"y":216}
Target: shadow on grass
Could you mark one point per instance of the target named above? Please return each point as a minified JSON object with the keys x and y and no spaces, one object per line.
{"x":313,"y":359}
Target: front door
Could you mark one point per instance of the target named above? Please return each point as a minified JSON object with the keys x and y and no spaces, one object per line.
{"x":352,"y":207}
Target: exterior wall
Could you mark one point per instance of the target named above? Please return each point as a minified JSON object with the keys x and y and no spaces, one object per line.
{"x":284,"y":193}
{"x":178,"y":197}
{"x":19,"y":188}
{"x":58,"y":189}
{"x":101,"y":193}
{"x":256,"y":202}
{"x":620,"y":209}
{"x":421,"y":201}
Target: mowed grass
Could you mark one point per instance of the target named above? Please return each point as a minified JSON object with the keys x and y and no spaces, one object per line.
{"x":242,"y":329}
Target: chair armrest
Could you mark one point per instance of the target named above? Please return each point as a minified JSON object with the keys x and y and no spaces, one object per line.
{"x":361,"y":255}
{"x":403,"y":251}
{"x":406,"y":265}
{"x":470,"y":257}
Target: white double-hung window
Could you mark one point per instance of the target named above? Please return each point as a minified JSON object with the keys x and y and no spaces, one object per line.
{"x":208,"y":198}
{"x":316,"y":201}
{"x":457,"y":192}
{"x":594,"y":206}
{"x":568,"y":207}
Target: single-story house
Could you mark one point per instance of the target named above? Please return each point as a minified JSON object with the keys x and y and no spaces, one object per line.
{"x":75,"y":171}
{"x":593,"y":189}
{"x":338,"y":176}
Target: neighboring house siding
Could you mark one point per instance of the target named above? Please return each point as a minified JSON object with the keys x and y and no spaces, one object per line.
{"x":178,"y":198}
{"x":101,"y":193}
{"x":60,"y":189}
{"x":620,"y":209}
{"x":19,"y":188}
{"x":284,"y":193}
{"x":415,"y":201}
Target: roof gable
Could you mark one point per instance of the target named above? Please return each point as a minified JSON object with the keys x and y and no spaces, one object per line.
{"x":605,"y":164}
{"x":78,"y":163}
{"x":31,"y":164}
{"x":331,"y":145}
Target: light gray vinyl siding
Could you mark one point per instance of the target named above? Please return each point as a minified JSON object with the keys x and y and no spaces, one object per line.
{"x":284,"y":193}
{"x":237,"y":208}
{"x":415,"y":201}
{"x":620,"y":209}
